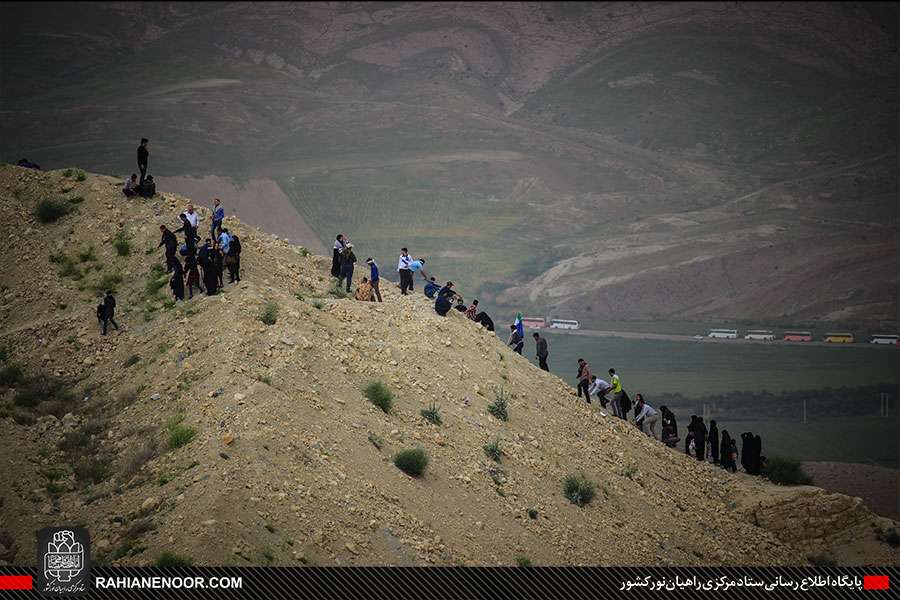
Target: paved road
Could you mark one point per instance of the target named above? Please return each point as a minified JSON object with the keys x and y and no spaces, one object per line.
{"x":637,"y":335}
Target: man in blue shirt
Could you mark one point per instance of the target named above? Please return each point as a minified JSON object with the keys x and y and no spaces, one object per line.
{"x":217,"y":218}
{"x":431,"y":288}
{"x":224,"y":241}
{"x":374,"y":277}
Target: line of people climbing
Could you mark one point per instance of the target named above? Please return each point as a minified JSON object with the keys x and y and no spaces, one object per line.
{"x":701,"y":442}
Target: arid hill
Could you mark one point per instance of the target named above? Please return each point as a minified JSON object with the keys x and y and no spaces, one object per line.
{"x":199,"y":429}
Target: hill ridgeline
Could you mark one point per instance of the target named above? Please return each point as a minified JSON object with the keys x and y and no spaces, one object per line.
{"x":196,"y":428}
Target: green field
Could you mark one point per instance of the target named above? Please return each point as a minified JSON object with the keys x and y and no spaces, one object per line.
{"x":695,"y":369}
{"x":871,"y":440}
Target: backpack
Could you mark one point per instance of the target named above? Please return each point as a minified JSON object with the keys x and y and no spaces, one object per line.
{"x":625,"y":402}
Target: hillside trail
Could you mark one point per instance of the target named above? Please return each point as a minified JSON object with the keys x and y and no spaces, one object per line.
{"x":204,"y":431}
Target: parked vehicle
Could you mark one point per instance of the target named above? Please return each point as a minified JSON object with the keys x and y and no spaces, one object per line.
{"x":839,"y":338}
{"x":728,"y":334}
{"x":563,"y":324}
{"x":798,"y":336}
{"x":759,"y":334}
{"x":879,"y":338}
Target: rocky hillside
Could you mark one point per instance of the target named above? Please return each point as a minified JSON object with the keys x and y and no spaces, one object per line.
{"x":672,"y":161}
{"x":199,"y":429}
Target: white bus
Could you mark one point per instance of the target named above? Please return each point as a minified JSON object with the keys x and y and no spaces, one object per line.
{"x":891,"y":340}
{"x":759,"y":334}
{"x":728,"y":334}
{"x":563,"y":324}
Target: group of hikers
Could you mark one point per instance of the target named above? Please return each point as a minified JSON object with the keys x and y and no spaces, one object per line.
{"x":343,"y":260}
{"x":701,"y":442}
{"x":203,"y":269}
{"x":204,"y":266}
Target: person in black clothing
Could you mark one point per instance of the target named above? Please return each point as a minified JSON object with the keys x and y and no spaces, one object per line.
{"x":347,"y":261}
{"x":690,"y":436}
{"x":143,"y":156}
{"x":210,"y":277}
{"x":442,"y":305}
{"x":171,"y":243}
{"x":109,"y":311}
{"x":218,"y":263}
{"x":757,"y":458}
{"x":515,"y":340}
{"x":190,"y":234}
{"x":193,"y":274}
{"x":336,"y":255}
{"x":540,"y":346}
{"x":485,"y":320}
{"x":447,"y":290}
{"x":233,"y":260}
{"x":460,"y":304}
{"x":669,"y":434}
{"x":177,"y":283}
{"x":714,"y":441}
{"x":203,"y":258}
{"x":700,"y":438}
{"x":727,"y":460}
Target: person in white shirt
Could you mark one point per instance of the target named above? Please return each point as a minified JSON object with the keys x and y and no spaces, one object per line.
{"x":644,"y":412}
{"x":406,"y":279}
{"x":599,"y":387}
{"x":192,"y":217}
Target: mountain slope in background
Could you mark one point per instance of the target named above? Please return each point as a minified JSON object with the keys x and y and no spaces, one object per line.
{"x":199,"y":429}
{"x":609,"y":161}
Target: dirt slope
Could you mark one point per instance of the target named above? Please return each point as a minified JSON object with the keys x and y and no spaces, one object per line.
{"x":283,"y":468}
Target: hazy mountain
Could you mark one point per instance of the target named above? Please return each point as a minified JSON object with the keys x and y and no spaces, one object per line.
{"x":603,"y":160}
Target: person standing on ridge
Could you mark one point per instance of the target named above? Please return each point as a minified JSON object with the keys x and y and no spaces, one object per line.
{"x":143,"y":157}
{"x":336,"y":255}
{"x":233,"y":260}
{"x":700,"y":438}
{"x":406,"y":280}
{"x":584,"y":380}
{"x":218,"y":215}
{"x":374,"y":277}
{"x":347,"y":261}
{"x":515,"y":340}
{"x":713,"y":439}
{"x":540,"y":350}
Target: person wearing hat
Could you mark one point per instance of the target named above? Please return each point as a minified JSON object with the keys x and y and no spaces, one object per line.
{"x":374,"y":277}
{"x":447,"y":290}
{"x":347,"y":261}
